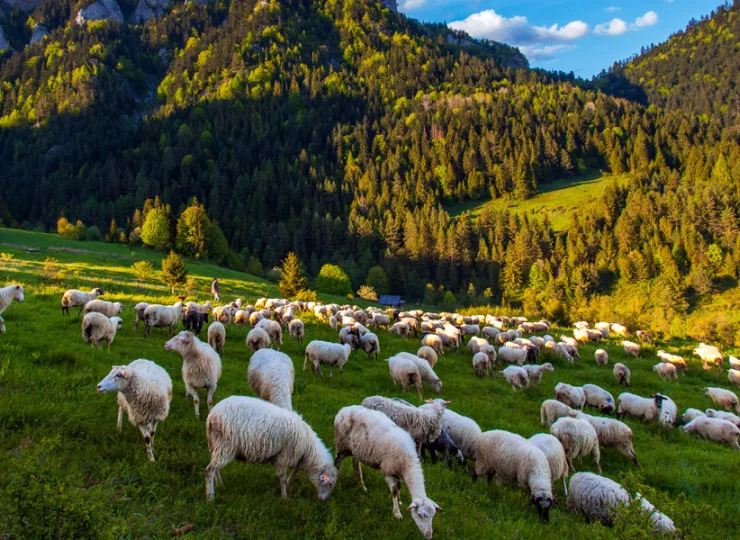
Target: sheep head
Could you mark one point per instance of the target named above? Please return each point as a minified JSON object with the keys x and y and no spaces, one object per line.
{"x":115,"y":381}
{"x":18,"y":293}
{"x":422,"y":511}
{"x":543,"y":502}
{"x":180,"y":343}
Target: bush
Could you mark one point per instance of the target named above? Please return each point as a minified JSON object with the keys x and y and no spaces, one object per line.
{"x":333,"y":280}
{"x":234,"y":261}
{"x":93,"y":234}
{"x":51,"y":272}
{"x":73,"y":232}
{"x":306,"y":296}
{"x":377,"y":279}
{"x":366,"y":292}
{"x":143,"y":270}
{"x":254,"y":267}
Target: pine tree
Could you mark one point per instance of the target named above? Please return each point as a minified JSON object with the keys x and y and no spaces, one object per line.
{"x":174,"y":271}
{"x":292,"y":278}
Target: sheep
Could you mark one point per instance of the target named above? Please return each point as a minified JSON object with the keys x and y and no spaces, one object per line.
{"x":677,"y":361}
{"x":297,"y":330}
{"x":256,"y":431}
{"x":370,"y":437}
{"x":445,"y":446}
{"x":572,"y":351}
{"x":581,"y":325}
{"x":72,"y":298}
{"x":463,"y":430}
{"x":489,"y":351}
{"x":217,"y":336}
{"x":428,"y":354}
{"x":598,"y":398}
{"x":254,"y":318}
{"x":450,"y":336}
{"x":572,"y":396}
{"x":690,"y":415}
{"x":109,"y":309}
{"x":710,"y":356}
{"x":569,"y":341}
{"x":96,"y":328}
{"x":534,"y":372}
{"x":555,"y":454}
{"x":144,"y":394}
{"x":645,"y":409}
{"x":594,"y":335}
{"x":733,"y":375}
{"x":371,"y":345}
{"x":724,"y":398}
{"x":223,"y":314}
{"x":619,"y":330}
{"x":201,"y":366}
{"x":581,"y":335}
{"x":711,"y":413}
{"x":513,"y":459}
{"x":2,"y":325}
{"x":274,"y":330}
{"x":715,"y":429}
{"x":602,"y":357}
{"x":324,"y":352}
{"x":162,"y":316}
{"x":490,"y":333}
{"x":241,"y":317}
{"x":734,"y":363}
{"x":516,"y":376}
{"x":469,"y":329}
{"x":551,"y":410}
{"x":643,"y":336}
{"x":350,"y":334}
{"x":400,"y":329}
{"x":475,"y":343}
{"x":200,"y":308}
{"x":435,"y":342}
{"x":600,"y":499}
{"x":271,"y":375}
{"x":380,"y":319}
{"x":518,"y":356}
{"x":139,"y":312}
{"x":422,"y":423}
{"x":666,"y":371}
{"x":604,"y":328}
{"x":579,"y":438}
{"x":425,"y":370}
{"x":482,"y":365}
{"x":405,"y":371}
{"x":622,"y":374}
{"x":631,"y":348}
{"x":258,"y":339}
{"x":194,"y":321}
{"x":612,"y":433}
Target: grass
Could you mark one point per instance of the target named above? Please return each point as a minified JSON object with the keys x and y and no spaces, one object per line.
{"x":65,"y":472}
{"x":557,"y":200}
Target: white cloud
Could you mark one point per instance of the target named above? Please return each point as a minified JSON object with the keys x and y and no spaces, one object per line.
{"x":517,"y":31}
{"x":617,"y":27}
{"x":649,"y":19}
{"x":536,"y":52}
{"x":612,"y":9}
{"x":410,"y":5}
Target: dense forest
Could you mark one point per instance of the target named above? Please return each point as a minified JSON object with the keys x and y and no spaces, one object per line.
{"x":340,"y":129}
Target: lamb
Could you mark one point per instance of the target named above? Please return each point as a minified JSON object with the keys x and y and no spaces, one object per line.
{"x":666,"y":371}
{"x":516,"y":376}
{"x":144,"y":394}
{"x":631,"y":348}
{"x":162,"y":316}
{"x":602,"y":357}
{"x":201,"y":366}
{"x":551,"y":410}
{"x":572,"y":396}
{"x":611,"y":433}
{"x":434,"y":342}
{"x":428,"y":354}
{"x":482,"y":365}
{"x":139,"y":312}
{"x":622,"y":374}
{"x":579,"y":438}
{"x":555,"y":454}
{"x":217,"y":336}
{"x":677,"y":361}
{"x":445,"y":446}
{"x":96,"y":328}
{"x":271,"y":375}
{"x":256,"y":431}
{"x":324,"y":352}
{"x":518,"y":356}
{"x":200,"y":308}
{"x":724,"y":398}
{"x":405,"y":371}
{"x":690,"y":415}
{"x":715,"y":429}
{"x":71,"y":298}
{"x":475,"y":343}
{"x":274,"y":330}
{"x":645,"y":409}
{"x":258,"y":339}
{"x":371,"y":345}
{"x":370,"y":437}
{"x":513,"y":459}
{"x":711,"y":413}
{"x":297,"y":330}
{"x":710,"y":356}
{"x":733,"y":375}
{"x":598,"y":398}
{"x":463,"y":430}
{"x":425,"y":371}
{"x":194,"y":321}
{"x":599,"y":499}
{"x":422,"y":423}
{"x":534,"y":372}
{"x":109,"y":309}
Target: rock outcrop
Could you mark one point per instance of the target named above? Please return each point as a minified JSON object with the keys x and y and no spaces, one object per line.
{"x":102,"y":10}
{"x":39,"y":32}
{"x":149,"y":9}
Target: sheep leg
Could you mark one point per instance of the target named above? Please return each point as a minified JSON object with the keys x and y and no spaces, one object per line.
{"x":357,"y":466}
{"x":393,"y":486}
{"x":81,"y":308}
{"x":148,"y":441}
{"x":418,"y":389}
{"x":597,"y":458}
{"x":119,"y":422}
{"x":290,"y":477}
{"x":209,"y":400}
{"x":331,"y":372}
{"x":212,"y":471}
{"x":189,"y":390}
{"x":565,"y":486}
{"x":283,"y":476}
{"x":570,"y":465}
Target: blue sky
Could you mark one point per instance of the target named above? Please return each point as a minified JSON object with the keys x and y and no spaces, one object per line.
{"x":569,"y":35}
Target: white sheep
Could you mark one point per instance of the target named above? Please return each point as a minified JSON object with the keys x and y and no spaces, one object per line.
{"x":666,"y":371}
{"x":75,"y":298}
{"x":330,"y":354}
{"x":631,"y":348}
{"x":602,"y":357}
{"x":161,"y":317}
{"x":733,"y":375}
{"x":572,"y":396}
{"x":144,"y":394}
{"x":224,"y":314}
{"x":578,"y":438}
{"x":217,"y":336}
{"x":428,"y":354}
{"x":676,"y":360}
{"x":482,"y":365}
{"x":724,"y":398}
{"x":405,"y":371}
{"x":109,"y":309}
{"x":370,"y":437}
{"x":690,"y":415}
{"x":256,"y":431}
{"x":254,"y":318}
{"x":297,"y":330}
{"x":715,"y":429}
{"x":517,"y":356}
{"x":622,"y":374}
{"x":475,"y":343}
{"x":598,"y":398}
{"x":534,"y":372}
{"x":711,"y":413}
{"x":710,"y":356}
{"x":490,"y":333}
{"x":201,"y":366}
{"x":489,"y":351}
{"x":604,"y":328}
{"x":139,"y":310}
{"x":424,"y":424}
{"x":271,"y":375}
{"x":257,"y":339}
{"x":516,"y":376}
{"x":734,"y":363}
{"x":400,"y":329}
{"x":241,"y":317}
{"x":551,"y":410}
{"x":512,"y":459}
{"x":274,"y":330}
{"x":97,"y":328}
{"x":425,"y":370}
{"x":645,"y":409}
{"x":611,"y":433}
{"x":619,"y":330}
{"x":555,"y":454}
{"x":200,"y":308}
{"x":371,"y":345}
{"x":434,"y":342}
{"x":463,"y":430}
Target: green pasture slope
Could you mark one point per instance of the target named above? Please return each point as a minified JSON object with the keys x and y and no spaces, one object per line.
{"x":65,"y":472}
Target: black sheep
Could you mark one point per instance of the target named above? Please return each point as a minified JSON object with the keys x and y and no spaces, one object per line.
{"x":445,"y":446}
{"x":194,"y":321}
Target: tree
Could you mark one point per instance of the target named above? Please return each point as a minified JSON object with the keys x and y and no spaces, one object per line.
{"x":67,"y":230}
{"x":156,"y":229}
{"x":292,"y":278}
{"x":333,"y":280}
{"x":254,"y":266}
{"x":192,"y":230}
{"x":174,"y":271}
{"x":377,"y":279}
{"x":143,"y":270}
{"x":112,"y":235}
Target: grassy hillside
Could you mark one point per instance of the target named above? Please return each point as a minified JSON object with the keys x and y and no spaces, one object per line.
{"x":558,"y":200}
{"x":65,"y":472}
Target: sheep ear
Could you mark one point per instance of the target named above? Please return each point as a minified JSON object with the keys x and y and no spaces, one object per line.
{"x":437,"y":507}
{"x":413,"y":505}
{"x":447,"y":402}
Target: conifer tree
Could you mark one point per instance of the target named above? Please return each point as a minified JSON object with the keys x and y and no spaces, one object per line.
{"x":292,"y":278}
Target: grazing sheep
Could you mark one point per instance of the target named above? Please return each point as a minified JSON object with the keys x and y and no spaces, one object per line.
{"x":572,"y":396}
{"x":677,"y":361}
{"x":733,"y":375}
{"x":581,"y":335}
{"x":109,"y":309}
{"x":241,"y":317}
{"x":604,"y":328}
{"x":256,"y":431}
{"x":422,"y":423}
{"x":724,"y":398}
{"x":200,"y":308}
{"x":139,"y":312}
{"x":579,"y":438}
{"x":274,"y":330}
{"x":297,"y":330}
{"x":371,"y":345}
{"x":271,"y":375}
{"x":370,"y":437}
{"x":619,"y":330}
{"x":734,"y":363}
{"x":475,"y":343}
{"x":534,"y":372}
{"x":602,"y":357}
{"x":611,"y":433}
{"x":512,"y":459}
{"x":489,"y":351}
{"x":428,"y":354}
{"x":666,"y":371}
{"x":643,"y":336}
{"x":482,"y":365}
{"x":490,"y":333}
{"x":144,"y":394}
{"x":405,"y":371}
{"x":516,"y":376}
{"x":622,"y":374}
{"x":217,"y":336}
{"x":400,"y":329}
{"x":645,"y":409}
{"x":223,"y":314}
{"x":425,"y":370}
{"x":201,"y":366}
{"x":258,"y":339}
{"x":463,"y":430}
{"x":594,"y":335}
{"x":598,"y":398}
{"x":96,"y":328}
{"x":569,"y":341}
{"x":711,"y":413}
{"x":571,"y":350}
{"x":254,"y":318}
{"x":161,"y":317}
{"x":518,"y":356}
{"x":434,"y":342}
{"x":71,"y":298}
{"x":690,"y":415}
{"x":330,"y":354}
{"x":710,"y":356}
{"x":551,"y":410}
{"x":631,"y":348}
{"x":555,"y":454}
{"x":715,"y":429}
{"x":194,"y":321}
{"x":445,"y":446}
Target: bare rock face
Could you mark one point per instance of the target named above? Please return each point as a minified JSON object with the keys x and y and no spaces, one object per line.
{"x":149,"y":9}
{"x":392,"y":5}
{"x":3,"y":42}
{"x":23,"y":5}
{"x":102,"y":10}
{"x":39,"y":32}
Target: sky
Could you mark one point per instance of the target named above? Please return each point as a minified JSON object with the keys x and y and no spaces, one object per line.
{"x":566,"y":35}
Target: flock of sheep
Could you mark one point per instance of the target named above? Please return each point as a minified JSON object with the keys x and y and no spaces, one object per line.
{"x":390,"y":434}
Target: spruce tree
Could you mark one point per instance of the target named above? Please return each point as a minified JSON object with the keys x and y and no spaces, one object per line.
{"x":292,"y":278}
{"x":174,"y":271}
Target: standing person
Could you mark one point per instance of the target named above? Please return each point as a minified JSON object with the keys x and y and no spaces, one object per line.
{"x":214,"y":290}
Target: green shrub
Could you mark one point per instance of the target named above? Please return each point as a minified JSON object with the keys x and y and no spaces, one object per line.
{"x":333,"y":280}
